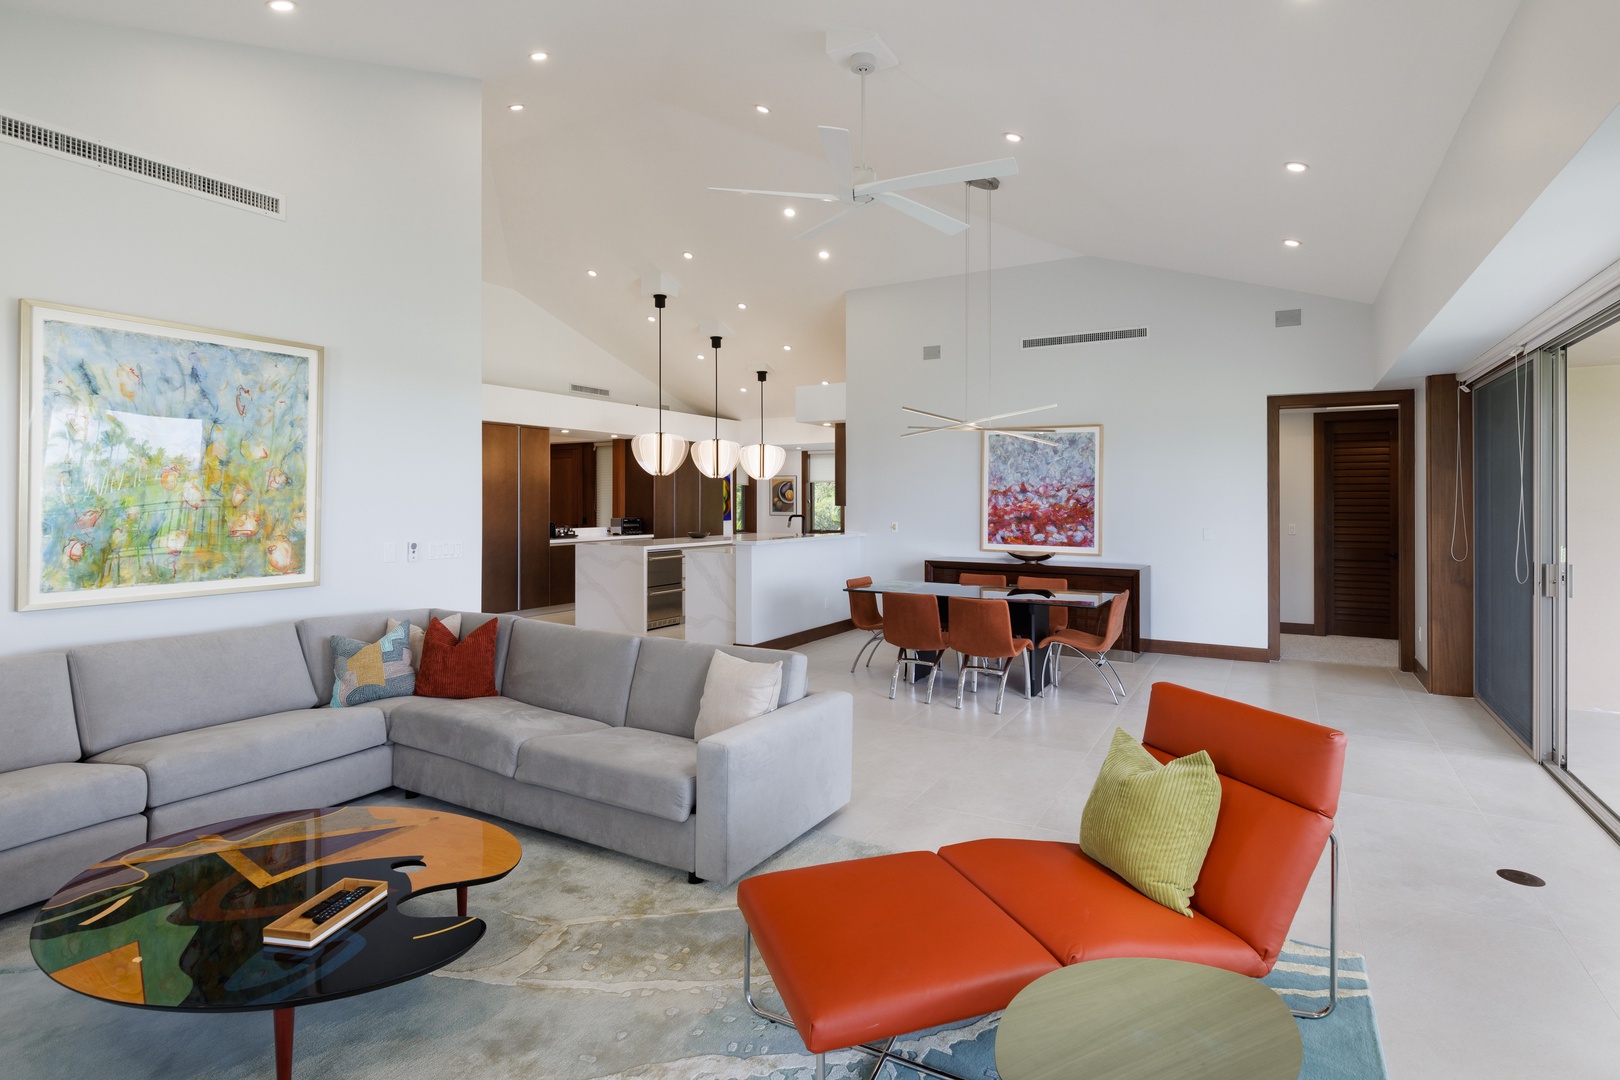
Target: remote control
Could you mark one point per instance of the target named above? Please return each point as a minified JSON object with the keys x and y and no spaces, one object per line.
{"x":334,"y":905}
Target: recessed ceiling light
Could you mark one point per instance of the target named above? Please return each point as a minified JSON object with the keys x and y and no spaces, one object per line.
{"x":537,"y":56}
{"x":590,"y":273}
{"x":788,"y":211}
{"x":686,"y":254}
{"x":825,"y":424}
{"x":824,"y":254}
{"x":742,"y":389}
{"x":762,"y":109}
{"x":824,"y":382}
{"x":700,"y":356}
{"x":652,"y":318}
{"x":1290,"y":243}
{"x":1013,"y":136}
{"x":787,"y":348}
{"x":565,"y":431}
{"x":516,"y":106}
{"x":283,"y":6}
{"x":742,"y":307}
{"x":1296,"y":166}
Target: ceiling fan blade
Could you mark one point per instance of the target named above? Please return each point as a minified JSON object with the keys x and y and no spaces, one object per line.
{"x":830,"y":222}
{"x":842,"y":160}
{"x":935,"y":415}
{"x":1005,"y":415}
{"x":925,"y":214}
{"x":779,"y":194}
{"x":961,"y":174}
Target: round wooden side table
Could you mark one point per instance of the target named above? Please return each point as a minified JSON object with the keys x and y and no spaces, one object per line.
{"x":1127,"y":1019}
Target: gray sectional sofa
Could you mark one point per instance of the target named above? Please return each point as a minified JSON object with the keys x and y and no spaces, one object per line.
{"x":591,"y":737}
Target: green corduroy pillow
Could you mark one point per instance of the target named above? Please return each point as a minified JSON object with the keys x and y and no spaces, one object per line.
{"x":1150,"y":823}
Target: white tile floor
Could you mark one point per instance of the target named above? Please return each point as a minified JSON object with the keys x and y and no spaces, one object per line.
{"x":1472,"y":976}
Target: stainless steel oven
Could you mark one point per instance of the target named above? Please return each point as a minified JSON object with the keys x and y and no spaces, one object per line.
{"x":664,"y":588}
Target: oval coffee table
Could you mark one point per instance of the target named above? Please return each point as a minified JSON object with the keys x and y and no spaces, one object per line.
{"x":177,"y":922}
{"x":1129,"y":1019}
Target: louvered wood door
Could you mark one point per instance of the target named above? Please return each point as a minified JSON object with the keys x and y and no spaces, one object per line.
{"x":1357,"y":558}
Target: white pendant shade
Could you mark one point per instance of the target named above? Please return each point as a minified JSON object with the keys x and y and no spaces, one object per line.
{"x":762,"y":460}
{"x":715,"y":457}
{"x":647,"y":450}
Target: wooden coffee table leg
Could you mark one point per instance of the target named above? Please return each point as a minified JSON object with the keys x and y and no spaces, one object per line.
{"x":461,"y":900}
{"x":284,"y":1043}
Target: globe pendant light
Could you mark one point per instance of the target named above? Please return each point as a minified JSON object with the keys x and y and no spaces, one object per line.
{"x":715,"y":457}
{"x":761,"y":460}
{"x":658,"y":452}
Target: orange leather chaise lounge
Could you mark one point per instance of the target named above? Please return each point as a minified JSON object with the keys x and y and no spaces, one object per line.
{"x":870,"y":949}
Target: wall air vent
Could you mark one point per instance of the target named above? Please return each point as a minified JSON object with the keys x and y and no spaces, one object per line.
{"x":930,"y":352}
{"x":593,"y":391}
{"x":1290,"y":317}
{"x":60,"y":143}
{"x":1085,"y":339}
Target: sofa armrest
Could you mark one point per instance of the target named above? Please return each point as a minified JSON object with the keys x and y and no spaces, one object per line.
{"x":764,"y":783}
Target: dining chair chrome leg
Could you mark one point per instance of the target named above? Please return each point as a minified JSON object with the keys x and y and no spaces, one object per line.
{"x":894,"y":683}
{"x":1027,"y":694}
{"x":1112,"y":670}
{"x":1100,"y":662}
{"x":873,"y":654}
{"x":961,"y":678}
{"x":1001,"y":691}
{"x":870,"y":643}
{"x":933,"y":673}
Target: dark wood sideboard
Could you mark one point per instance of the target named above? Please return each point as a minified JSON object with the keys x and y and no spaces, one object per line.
{"x":1080,"y":579}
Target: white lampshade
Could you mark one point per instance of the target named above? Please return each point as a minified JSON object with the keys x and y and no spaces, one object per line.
{"x":646,"y":449}
{"x":762,"y":460}
{"x":715,"y":457}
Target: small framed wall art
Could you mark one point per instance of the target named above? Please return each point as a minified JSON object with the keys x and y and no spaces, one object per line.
{"x":161,"y":460}
{"x":1042,"y":496}
{"x":784,"y":491}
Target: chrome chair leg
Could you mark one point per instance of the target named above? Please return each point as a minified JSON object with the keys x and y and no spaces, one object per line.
{"x":961,"y":678}
{"x":1027,"y":694}
{"x":933,"y":673}
{"x":871,"y":643}
{"x":1001,"y":691}
{"x":1110,"y":669}
{"x":1333,"y":935}
{"x":894,"y":683}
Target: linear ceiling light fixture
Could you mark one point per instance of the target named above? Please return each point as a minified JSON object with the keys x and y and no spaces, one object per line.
{"x":761,"y":460}
{"x":983,"y":423}
{"x":716,"y":457}
{"x":658,"y":452}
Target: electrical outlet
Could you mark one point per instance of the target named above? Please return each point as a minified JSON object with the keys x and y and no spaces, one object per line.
{"x":1293,"y":530}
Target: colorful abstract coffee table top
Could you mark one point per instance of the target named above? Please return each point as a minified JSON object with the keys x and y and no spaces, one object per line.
{"x":177,"y":922}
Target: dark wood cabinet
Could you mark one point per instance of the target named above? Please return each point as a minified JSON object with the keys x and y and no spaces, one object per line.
{"x":1112,"y":579}
{"x":562,"y":574}
{"x":573,"y":486}
{"x":517,"y":504}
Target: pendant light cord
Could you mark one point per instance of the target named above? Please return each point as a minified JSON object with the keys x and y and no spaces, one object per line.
{"x":659,"y":301}
{"x":863,"y":120}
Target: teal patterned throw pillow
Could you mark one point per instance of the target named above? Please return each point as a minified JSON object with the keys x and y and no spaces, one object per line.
{"x":368,"y":671}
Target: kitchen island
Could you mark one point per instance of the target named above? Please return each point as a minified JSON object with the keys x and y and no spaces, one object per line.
{"x":744,"y":590}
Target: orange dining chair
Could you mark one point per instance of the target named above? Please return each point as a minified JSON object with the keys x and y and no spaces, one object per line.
{"x":981,"y":630}
{"x":993,"y":581}
{"x":1057,"y":618}
{"x":911,"y":624}
{"x":864,"y":613}
{"x":1092,"y":647}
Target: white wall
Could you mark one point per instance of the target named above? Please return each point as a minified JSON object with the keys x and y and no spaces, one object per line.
{"x":1594,"y":522}
{"x":378,"y":261}
{"x":1296,"y":484}
{"x":527,"y":346}
{"x":1184,"y":416}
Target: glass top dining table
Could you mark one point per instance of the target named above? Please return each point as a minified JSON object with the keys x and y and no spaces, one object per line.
{"x":1043,"y":597}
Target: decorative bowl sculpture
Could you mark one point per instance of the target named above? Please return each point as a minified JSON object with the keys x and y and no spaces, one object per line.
{"x":1030,"y":556}
{"x":698,"y":535}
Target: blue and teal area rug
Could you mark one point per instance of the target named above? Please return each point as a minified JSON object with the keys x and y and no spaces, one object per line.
{"x":595,"y":967}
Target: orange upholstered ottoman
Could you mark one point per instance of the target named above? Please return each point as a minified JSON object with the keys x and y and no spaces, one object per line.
{"x":873,"y":948}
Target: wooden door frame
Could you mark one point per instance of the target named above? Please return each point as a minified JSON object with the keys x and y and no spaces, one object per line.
{"x":1322,"y":557}
{"x":1405,"y":402}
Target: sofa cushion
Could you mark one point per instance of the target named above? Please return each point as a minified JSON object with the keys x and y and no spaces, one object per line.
{"x":472,"y":620}
{"x":486,"y":732}
{"x":580,"y":672}
{"x":36,"y":712}
{"x":646,"y":771}
{"x":131,"y":691}
{"x":457,"y":669}
{"x":1080,"y":911}
{"x":50,"y":800}
{"x":313,"y":635}
{"x":668,"y":687}
{"x":202,"y":760}
{"x":364,"y":672}
{"x":735,"y":692}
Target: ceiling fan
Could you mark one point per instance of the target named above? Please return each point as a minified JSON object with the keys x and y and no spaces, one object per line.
{"x":858,"y":187}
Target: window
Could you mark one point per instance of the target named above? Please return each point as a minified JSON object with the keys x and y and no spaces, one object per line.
{"x":825,"y":514}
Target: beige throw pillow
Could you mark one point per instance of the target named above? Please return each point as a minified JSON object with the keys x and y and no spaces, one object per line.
{"x":736,"y":691}
{"x":451,"y":623}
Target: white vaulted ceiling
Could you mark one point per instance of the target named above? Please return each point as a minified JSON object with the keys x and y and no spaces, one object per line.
{"x":1155,"y":132}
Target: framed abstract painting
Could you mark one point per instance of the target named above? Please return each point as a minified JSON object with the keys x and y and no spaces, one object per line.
{"x":1042,"y":496}
{"x":160,"y":460}
{"x":784,"y":491}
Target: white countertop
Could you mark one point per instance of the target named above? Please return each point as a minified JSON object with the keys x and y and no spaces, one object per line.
{"x":665,"y":543}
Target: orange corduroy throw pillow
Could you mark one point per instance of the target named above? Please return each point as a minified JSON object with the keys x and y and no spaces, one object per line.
{"x":457,"y":669}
